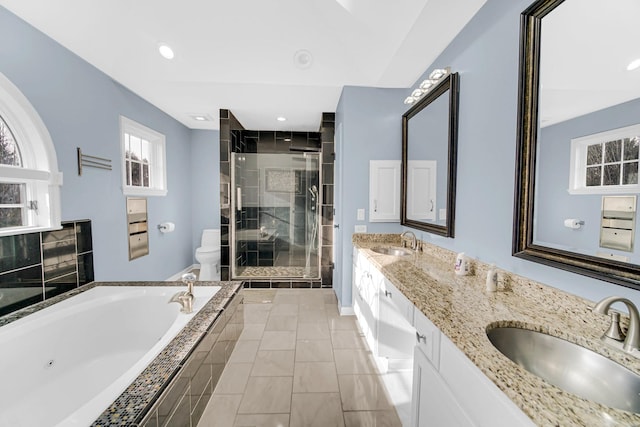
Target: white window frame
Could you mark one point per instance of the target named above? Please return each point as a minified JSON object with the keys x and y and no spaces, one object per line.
{"x":39,"y":170}
{"x":157,"y":161}
{"x":577,"y":175}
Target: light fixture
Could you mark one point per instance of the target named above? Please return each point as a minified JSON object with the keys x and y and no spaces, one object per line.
{"x":287,"y":140}
{"x":428,"y":84}
{"x":200,"y":117}
{"x":281,"y":119}
{"x":165,"y":50}
{"x":633,"y":64}
{"x":303,"y":59}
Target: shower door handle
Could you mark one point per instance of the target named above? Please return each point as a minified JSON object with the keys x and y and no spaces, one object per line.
{"x":239,"y":198}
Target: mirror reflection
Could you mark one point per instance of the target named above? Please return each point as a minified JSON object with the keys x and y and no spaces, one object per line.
{"x":428,"y":167}
{"x":589,"y":129}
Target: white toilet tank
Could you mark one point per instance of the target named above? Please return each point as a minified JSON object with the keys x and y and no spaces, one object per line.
{"x":210,"y":238}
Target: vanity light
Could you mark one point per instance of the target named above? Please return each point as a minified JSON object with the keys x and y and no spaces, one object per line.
{"x":166,"y":51}
{"x":426,"y":85}
{"x":633,"y":64}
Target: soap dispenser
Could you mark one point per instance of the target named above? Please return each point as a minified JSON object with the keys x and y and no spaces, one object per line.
{"x":462,"y":265}
{"x":492,"y":279}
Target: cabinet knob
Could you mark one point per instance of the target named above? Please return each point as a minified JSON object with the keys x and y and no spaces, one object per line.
{"x":387,"y":294}
{"x":422,"y":338}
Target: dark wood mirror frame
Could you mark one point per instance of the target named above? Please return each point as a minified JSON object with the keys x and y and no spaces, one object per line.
{"x":617,"y":272}
{"x":448,"y":84}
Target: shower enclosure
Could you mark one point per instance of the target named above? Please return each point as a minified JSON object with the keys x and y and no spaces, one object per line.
{"x":275,"y":230}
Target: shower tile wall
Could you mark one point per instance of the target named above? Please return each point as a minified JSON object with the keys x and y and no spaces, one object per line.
{"x":234,"y":138}
{"x":37,"y":266}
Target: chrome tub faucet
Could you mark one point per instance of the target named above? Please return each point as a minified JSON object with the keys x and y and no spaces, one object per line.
{"x":185,"y":298}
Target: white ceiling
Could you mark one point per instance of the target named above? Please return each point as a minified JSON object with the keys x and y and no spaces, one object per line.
{"x":239,"y":54}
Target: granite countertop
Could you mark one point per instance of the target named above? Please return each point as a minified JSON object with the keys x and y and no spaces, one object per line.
{"x":462,"y":309}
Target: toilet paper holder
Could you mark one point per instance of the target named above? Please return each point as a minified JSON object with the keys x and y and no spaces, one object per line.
{"x":166,"y":227}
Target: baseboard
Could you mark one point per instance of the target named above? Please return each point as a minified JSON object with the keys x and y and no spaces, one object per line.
{"x":346,"y":311}
{"x":178,"y":275}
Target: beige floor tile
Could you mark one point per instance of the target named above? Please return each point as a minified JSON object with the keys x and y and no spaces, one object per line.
{"x":314,"y":351}
{"x":280,"y":309}
{"x":313,"y":331}
{"x":244,"y":352}
{"x":234,"y":378}
{"x":347,"y":339}
{"x":252,"y":331}
{"x":257,"y":316}
{"x":316,"y":409}
{"x":363,"y":393}
{"x":315,"y":377}
{"x":262,"y":420}
{"x":273,"y":363}
{"x":278,"y":340}
{"x":330,"y":298}
{"x":338,"y":322}
{"x":258,"y":295}
{"x":267,"y":395}
{"x":372,"y":419}
{"x":286,"y":298}
{"x":312,"y":315}
{"x":220,"y":411}
{"x":283,"y":322}
{"x":356,"y":361}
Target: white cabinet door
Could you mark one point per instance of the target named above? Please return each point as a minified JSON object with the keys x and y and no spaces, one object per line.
{"x":396,"y":336}
{"x":433,"y":404}
{"x":421,"y":190}
{"x":365,"y":299}
{"x":384,"y":191}
{"x":477,"y":394}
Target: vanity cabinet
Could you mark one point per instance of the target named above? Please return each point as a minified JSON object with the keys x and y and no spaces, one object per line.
{"x":448,"y":389}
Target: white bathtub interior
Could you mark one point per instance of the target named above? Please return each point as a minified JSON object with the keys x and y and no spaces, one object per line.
{"x":64,"y":365}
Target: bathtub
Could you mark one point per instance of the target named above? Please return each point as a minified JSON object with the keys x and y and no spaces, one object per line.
{"x":65,"y":364}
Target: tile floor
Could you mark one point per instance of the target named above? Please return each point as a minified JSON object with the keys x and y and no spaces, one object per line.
{"x":299,"y":363}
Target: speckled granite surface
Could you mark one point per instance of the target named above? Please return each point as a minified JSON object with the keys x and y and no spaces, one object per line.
{"x":464,"y":311}
{"x":130,"y":405}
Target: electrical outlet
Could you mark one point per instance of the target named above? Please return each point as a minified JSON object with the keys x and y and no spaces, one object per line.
{"x":443,"y":213}
{"x":361,"y":229}
{"x":360,"y":215}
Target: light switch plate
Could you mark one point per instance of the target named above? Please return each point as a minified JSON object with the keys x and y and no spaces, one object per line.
{"x":361,"y":229}
{"x":360,"y":215}
{"x":442,"y":213}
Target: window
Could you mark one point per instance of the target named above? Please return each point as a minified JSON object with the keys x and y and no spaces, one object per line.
{"x":606,"y":162}
{"x":143,"y":156}
{"x":29,"y":179}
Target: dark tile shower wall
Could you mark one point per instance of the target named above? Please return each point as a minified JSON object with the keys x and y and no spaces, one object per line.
{"x":234,"y":138}
{"x":37,"y":266}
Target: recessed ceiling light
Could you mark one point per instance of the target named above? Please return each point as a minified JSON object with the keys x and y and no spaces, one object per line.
{"x":166,"y":51}
{"x":281,"y":119}
{"x":303,"y":58}
{"x":633,"y":64}
{"x":200,"y":117}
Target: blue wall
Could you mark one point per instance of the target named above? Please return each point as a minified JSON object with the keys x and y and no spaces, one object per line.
{"x":554,"y":203}
{"x":80,"y":107}
{"x":368,"y":127}
{"x":485,"y":54}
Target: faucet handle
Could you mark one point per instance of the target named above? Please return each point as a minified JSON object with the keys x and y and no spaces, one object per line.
{"x":188,"y":277}
{"x":615,"y":331}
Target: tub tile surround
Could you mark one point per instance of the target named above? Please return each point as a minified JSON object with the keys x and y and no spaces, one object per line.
{"x":462,"y":309}
{"x":132,"y":405}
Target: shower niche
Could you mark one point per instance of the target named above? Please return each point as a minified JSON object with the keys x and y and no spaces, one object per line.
{"x":276,"y":215}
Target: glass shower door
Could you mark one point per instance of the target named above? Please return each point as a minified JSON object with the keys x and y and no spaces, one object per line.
{"x":276,"y":214}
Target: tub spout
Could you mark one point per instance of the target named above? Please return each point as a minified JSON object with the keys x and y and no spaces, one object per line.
{"x":185,"y":299}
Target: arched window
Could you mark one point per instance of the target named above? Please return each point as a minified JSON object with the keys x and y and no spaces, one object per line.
{"x":29,"y":177}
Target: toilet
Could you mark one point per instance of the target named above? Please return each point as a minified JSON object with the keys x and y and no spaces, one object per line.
{"x":208,"y":255}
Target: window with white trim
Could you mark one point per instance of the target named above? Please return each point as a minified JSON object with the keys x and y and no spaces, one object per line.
{"x":143,"y":160}
{"x":606,"y":162}
{"x":29,"y":179}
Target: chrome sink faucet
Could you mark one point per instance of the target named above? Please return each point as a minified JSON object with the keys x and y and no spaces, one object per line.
{"x":185,"y":298}
{"x":614,"y":333}
{"x":414,"y":241}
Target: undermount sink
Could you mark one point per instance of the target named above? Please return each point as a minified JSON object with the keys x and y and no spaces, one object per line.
{"x":394,"y":251}
{"x":570,"y":367}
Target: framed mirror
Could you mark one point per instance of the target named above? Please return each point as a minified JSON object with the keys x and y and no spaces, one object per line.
{"x":429,"y":144}
{"x":578,"y":138}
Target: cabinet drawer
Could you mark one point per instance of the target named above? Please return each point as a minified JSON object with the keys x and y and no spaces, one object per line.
{"x":427,"y":338}
{"x":397,"y":300}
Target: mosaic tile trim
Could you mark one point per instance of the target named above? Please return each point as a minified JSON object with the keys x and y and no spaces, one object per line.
{"x":462,"y":309}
